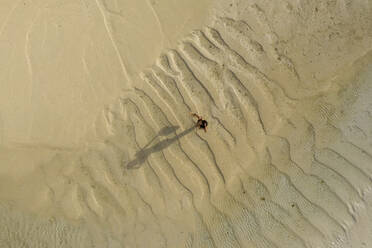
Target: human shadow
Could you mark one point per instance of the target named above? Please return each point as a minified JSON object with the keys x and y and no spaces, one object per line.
{"x":142,"y":155}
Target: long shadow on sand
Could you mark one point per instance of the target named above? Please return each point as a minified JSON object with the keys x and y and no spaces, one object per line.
{"x":145,"y":152}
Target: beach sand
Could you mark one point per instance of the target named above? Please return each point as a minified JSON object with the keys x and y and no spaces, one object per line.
{"x":98,"y":147}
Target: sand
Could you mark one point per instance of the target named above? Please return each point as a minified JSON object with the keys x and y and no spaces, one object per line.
{"x":97,"y":144}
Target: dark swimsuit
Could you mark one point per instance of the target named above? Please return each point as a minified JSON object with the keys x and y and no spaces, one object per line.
{"x":203,"y":124}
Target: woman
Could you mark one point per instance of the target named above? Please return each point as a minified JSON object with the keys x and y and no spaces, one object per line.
{"x":201,"y":124}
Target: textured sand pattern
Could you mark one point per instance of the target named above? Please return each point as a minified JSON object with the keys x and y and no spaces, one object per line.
{"x":18,"y":230}
{"x":272,"y":171}
{"x":286,"y":161}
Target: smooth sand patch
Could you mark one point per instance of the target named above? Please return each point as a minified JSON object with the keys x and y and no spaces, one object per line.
{"x":63,"y":62}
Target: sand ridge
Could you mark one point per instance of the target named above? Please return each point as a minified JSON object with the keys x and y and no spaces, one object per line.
{"x":279,"y":166}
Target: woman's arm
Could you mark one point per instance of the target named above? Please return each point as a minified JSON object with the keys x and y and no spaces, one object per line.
{"x":195,"y":115}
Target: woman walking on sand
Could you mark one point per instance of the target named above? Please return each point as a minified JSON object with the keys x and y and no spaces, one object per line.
{"x":201,"y":124}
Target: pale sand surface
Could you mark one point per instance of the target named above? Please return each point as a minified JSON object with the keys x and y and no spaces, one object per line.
{"x":63,"y":61}
{"x":97,"y":147}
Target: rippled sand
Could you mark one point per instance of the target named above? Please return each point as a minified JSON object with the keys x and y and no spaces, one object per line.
{"x":98,"y":147}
